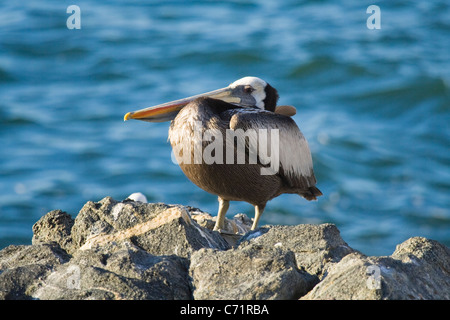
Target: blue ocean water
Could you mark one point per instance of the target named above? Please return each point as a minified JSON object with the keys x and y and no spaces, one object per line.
{"x":373,"y":104}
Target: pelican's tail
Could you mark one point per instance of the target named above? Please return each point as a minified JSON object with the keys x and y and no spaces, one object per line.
{"x":311,"y":194}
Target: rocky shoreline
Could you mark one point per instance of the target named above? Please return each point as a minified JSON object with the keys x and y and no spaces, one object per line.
{"x":132,"y":250}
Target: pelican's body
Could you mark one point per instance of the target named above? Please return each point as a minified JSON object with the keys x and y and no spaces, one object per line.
{"x":229,"y":177}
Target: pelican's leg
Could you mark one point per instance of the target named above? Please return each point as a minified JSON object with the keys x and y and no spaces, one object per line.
{"x":258,"y":212}
{"x":223,"y":208}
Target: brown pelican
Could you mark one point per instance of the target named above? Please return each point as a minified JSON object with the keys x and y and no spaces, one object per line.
{"x":242,"y":111}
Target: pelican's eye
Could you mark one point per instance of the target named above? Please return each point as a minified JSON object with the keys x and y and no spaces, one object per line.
{"x":248,"y":89}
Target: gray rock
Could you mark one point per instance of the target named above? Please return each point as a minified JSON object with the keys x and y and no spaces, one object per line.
{"x":277,"y":262}
{"x":418,"y":269}
{"x":248,"y":272}
{"x":21,"y":266}
{"x":157,"y":228}
{"x":315,"y":246}
{"x":55,"y":226}
{"x":133,"y":250}
{"x":117,"y":272}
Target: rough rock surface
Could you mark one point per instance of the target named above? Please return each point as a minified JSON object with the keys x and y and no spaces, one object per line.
{"x":251,"y":272}
{"x":135,"y":250}
{"x":418,"y":269}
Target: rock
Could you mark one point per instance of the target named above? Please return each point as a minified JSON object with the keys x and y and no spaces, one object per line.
{"x":278,"y":262}
{"x":21,"y":266}
{"x":134,"y":250}
{"x":418,"y":269}
{"x":117,"y":272}
{"x":315,"y":246}
{"x":248,"y":273}
{"x":55,"y":226}
{"x":158,"y":228}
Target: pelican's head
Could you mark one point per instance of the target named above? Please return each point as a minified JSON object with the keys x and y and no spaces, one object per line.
{"x":248,"y":92}
{"x":254,"y":92}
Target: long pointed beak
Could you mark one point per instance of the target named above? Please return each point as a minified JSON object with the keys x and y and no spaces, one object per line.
{"x":169,"y":110}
